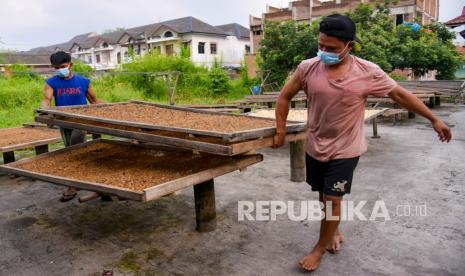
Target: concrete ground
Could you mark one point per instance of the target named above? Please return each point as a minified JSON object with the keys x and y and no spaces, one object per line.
{"x":408,"y":166}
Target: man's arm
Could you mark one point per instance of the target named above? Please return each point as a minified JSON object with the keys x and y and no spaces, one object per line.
{"x":292,"y":87}
{"x":48,"y":95}
{"x":409,"y":101}
{"x":92,"y":97}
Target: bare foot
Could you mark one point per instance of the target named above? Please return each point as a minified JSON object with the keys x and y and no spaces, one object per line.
{"x":335,"y":244}
{"x":312,"y":261}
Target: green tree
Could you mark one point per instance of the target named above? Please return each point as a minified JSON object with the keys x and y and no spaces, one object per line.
{"x":285,"y":45}
{"x":82,"y":68}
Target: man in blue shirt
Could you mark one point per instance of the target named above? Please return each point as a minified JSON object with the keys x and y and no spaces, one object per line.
{"x":68,"y":89}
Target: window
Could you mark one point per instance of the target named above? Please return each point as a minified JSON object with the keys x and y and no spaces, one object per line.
{"x":213,"y":48}
{"x":105,"y":45}
{"x":90,"y":59}
{"x":399,"y":19}
{"x":118,"y":57}
{"x":247,"y":49}
{"x":126,"y":54}
{"x":169,"y":50}
{"x":201,"y":47}
{"x":168,"y":34}
{"x":97,"y":57}
{"x":257,"y":32}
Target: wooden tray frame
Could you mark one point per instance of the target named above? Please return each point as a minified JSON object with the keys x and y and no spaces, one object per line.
{"x":292,"y":127}
{"x":31,"y":144}
{"x":227,"y":149}
{"x":148,"y":194}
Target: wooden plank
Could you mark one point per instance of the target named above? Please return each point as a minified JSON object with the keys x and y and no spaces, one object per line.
{"x":270,"y":100}
{"x":210,"y":106}
{"x":244,"y":147}
{"x":291,"y":128}
{"x":377,"y":114}
{"x":274,"y":97}
{"x":181,"y":183}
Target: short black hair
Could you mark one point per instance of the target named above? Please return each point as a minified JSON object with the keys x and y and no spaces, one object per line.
{"x":60,"y":57}
{"x":339,"y":26}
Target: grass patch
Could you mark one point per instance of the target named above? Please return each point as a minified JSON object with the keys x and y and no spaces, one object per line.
{"x":129,"y":262}
{"x":44,"y":221}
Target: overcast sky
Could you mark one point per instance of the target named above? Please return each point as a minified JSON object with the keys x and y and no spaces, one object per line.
{"x":30,"y":23}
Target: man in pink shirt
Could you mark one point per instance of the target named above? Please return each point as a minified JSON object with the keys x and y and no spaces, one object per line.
{"x":337,"y":85}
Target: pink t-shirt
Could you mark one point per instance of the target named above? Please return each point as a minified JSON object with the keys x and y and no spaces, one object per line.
{"x":336,"y":108}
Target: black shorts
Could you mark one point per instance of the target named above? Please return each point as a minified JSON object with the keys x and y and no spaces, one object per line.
{"x":333,"y":177}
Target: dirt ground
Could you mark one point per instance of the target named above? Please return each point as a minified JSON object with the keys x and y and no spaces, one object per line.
{"x":406,"y":167}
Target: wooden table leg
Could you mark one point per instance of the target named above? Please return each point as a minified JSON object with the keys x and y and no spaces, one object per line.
{"x":375,"y":129}
{"x":297,"y":153}
{"x":8,"y":157}
{"x":205,"y":210}
{"x":41,"y":149}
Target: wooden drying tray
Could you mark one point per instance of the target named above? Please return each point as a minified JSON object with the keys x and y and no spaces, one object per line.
{"x":148,"y":194}
{"x":202,"y":178}
{"x":33,"y":142}
{"x":214,"y":145}
{"x":40,"y":145}
{"x":62,"y":112}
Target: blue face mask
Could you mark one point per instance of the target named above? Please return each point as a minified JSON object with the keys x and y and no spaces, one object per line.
{"x":62,"y":73}
{"x":331,"y":58}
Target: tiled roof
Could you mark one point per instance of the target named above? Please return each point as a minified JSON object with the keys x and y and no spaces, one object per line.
{"x":458,"y":21}
{"x":40,"y":55}
{"x":235,"y":29}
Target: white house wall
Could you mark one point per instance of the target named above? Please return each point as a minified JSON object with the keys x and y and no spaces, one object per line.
{"x":230,"y":50}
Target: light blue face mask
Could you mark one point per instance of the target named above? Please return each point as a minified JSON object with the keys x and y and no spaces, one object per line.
{"x":62,"y":73}
{"x":331,"y":58}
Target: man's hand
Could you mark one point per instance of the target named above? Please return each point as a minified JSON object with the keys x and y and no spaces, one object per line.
{"x":412,"y":103}
{"x":444,"y":133}
{"x":279,"y":140}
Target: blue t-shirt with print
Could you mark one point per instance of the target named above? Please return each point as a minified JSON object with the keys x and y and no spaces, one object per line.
{"x":71,"y":91}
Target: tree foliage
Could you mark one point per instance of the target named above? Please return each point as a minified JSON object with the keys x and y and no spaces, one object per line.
{"x":285,"y":45}
{"x":391,"y":47}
